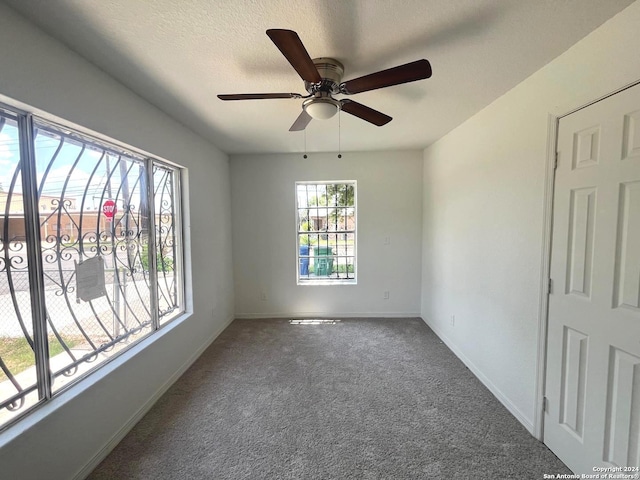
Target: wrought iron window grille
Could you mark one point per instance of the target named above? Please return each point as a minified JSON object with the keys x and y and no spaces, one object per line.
{"x":67,"y":199}
{"x":326,"y":232}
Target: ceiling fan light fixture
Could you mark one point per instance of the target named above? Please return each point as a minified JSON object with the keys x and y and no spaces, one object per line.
{"x":321,"y":108}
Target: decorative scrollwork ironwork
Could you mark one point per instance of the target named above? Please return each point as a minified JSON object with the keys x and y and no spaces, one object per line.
{"x":75,"y":180}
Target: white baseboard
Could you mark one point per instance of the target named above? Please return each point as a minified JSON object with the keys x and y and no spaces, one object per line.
{"x":521,"y":417}
{"x":142,"y":411}
{"x":247,"y":316}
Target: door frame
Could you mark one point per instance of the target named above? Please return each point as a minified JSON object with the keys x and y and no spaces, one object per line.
{"x":553,"y":123}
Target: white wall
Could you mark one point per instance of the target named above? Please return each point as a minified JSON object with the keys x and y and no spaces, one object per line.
{"x":389,"y":193}
{"x":57,"y":441}
{"x":483,"y":212}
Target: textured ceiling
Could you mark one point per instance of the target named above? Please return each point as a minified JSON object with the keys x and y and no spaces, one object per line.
{"x":179,"y":54}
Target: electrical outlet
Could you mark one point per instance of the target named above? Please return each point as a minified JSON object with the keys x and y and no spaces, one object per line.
{"x":263,"y":296}
{"x":452,"y":321}
{"x":385,"y":295}
{"x":387,"y":240}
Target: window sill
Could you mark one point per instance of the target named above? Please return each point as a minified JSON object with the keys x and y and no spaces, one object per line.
{"x":326,"y":282}
{"x":44,"y":409}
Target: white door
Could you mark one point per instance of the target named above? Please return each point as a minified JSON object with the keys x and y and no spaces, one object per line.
{"x":593,"y":346}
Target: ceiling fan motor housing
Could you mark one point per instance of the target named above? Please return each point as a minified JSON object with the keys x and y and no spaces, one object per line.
{"x":321,"y":105}
{"x":331,"y":72}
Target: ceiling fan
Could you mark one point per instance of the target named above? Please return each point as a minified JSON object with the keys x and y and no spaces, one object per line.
{"x":323,"y":79}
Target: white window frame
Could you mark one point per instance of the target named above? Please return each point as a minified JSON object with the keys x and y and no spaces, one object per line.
{"x":26,"y":119}
{"x":316,"y":281}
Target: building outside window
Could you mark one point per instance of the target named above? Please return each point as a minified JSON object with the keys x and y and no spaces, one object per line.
{"x":326,"y":232}
{"x":94,"y":271}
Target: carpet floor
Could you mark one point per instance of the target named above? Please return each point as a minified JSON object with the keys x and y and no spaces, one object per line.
{"x":354,"y":399}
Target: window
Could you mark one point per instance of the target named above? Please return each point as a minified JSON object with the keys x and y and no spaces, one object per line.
{"x":326,"y":232}
{"x":90,"y":255}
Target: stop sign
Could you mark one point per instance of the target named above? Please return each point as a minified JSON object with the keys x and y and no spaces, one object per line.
{"x":109,"y":209}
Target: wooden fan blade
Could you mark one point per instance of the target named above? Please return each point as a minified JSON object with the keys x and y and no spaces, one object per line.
{"x":258,"y":96}
{"x":365,"y":113}
{"x":409,"y":72}
{"x":301,"y":122}
{"x":289,"y":43}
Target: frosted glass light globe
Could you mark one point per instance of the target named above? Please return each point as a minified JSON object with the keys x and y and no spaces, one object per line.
{"x":321,"y":109}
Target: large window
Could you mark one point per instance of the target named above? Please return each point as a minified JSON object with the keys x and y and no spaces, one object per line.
{"x":90,"y":255}
{"x":326,"y":232}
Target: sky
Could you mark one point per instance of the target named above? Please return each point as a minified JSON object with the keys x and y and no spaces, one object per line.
{"x":78,"y":179}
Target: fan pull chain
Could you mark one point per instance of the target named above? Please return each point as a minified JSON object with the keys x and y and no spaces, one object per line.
{"x":305,"y":143}
{"x":339,"y":135}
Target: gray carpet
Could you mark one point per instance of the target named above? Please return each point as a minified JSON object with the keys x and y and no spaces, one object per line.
{"x":359,"y":399}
